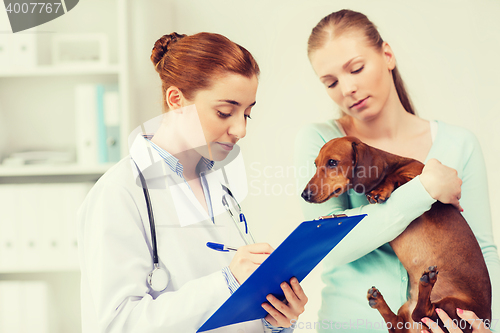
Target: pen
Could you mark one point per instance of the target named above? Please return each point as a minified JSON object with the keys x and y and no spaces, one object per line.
{"x":221,"y":247}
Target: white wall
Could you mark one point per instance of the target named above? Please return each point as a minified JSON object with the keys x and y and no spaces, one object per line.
{"x":447,"y":52}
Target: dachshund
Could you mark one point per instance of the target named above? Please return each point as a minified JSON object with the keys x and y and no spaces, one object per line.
{"x":438,"y":239}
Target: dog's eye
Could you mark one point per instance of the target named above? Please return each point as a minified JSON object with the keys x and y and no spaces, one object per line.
{"x":332,"y":163}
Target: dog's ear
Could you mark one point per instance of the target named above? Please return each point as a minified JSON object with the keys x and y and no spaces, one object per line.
{"x":356,"y":153}
{"x":369,"y":167}
{"x":360,"y":153}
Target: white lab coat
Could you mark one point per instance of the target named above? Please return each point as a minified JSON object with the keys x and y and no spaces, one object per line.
{"x":116,"y":254}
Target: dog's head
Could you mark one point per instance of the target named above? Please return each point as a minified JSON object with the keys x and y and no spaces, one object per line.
{"x":342,"y":164}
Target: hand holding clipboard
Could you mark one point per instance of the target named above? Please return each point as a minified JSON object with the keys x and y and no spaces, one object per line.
{"x":299,"y":253}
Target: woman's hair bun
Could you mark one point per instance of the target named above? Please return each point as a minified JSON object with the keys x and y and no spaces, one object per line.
{"x":162,"y":45}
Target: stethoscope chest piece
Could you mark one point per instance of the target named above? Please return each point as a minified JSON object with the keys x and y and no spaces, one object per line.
{"x":158,"y":279}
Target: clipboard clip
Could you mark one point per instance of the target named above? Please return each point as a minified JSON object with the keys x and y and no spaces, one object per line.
{"x":333,"y":216}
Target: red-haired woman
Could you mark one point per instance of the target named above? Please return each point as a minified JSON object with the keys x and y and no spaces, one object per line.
{"x":358,"y":71}
{"x":209,"y":86}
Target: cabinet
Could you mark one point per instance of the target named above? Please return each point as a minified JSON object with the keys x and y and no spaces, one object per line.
{"x":37,"y":113}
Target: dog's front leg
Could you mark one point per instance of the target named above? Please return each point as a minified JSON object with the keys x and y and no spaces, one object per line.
{"x":392,"y":181}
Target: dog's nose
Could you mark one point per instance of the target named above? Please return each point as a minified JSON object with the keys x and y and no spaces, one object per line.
{"x":306,"y":194}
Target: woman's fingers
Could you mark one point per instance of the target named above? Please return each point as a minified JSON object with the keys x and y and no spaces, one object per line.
{"x":453,"y":326}
{"x":277,"y":310}
{"x":284,"y":312}
{"x":478,"y":325}
{"x":269,"y":318}
{"x":433,"y":326}
{"x":256,"y":258}
{"x":257,"y":248}
{"x":470,"y":317}
{"x":295,"y":297}
{"x":297,"y":289}
{"x":247,"y":259}
{"x":442,"y":182}
{"x":446,"y":320}
{"x":290,"y":295}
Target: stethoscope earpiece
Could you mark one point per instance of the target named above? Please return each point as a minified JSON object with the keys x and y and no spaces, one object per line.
{"x":158,"y":279}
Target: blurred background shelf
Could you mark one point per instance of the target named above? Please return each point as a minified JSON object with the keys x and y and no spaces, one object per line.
{"x":39,"y":112}
{"x":61,"y":71}
{"x":53,"y":170}
{"x":52,"y":269}
{"x":72,"y":173}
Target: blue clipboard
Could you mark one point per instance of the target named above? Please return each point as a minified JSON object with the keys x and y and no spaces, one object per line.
{"x":299,"y":253}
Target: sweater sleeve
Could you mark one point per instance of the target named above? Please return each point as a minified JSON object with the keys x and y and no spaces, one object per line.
{"x":383,"y":222}
{"x":476,"y":204}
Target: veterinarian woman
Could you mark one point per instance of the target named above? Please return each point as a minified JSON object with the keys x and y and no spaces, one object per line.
{"x":209,"y":86}
{"x":358,"y":71}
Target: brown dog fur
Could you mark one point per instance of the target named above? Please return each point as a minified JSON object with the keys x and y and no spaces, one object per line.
{"x":439,"y":238}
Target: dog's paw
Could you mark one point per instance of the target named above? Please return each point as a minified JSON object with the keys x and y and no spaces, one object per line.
{"x":374,"y":297}
{"x":429,"y":276}
{"x":378,"y":195}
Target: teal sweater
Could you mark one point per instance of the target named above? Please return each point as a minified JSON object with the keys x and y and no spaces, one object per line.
{"x":364,"y":258}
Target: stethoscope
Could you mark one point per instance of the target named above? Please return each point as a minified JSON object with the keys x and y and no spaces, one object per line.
{"x":234,"y":209}
{"x":158,"y":278}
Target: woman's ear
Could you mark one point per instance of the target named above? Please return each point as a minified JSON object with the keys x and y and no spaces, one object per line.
{"x":174,"y":98}
{"x":389,"y":56}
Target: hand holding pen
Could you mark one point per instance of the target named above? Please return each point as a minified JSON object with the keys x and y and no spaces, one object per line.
{"x":247,"y":259}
